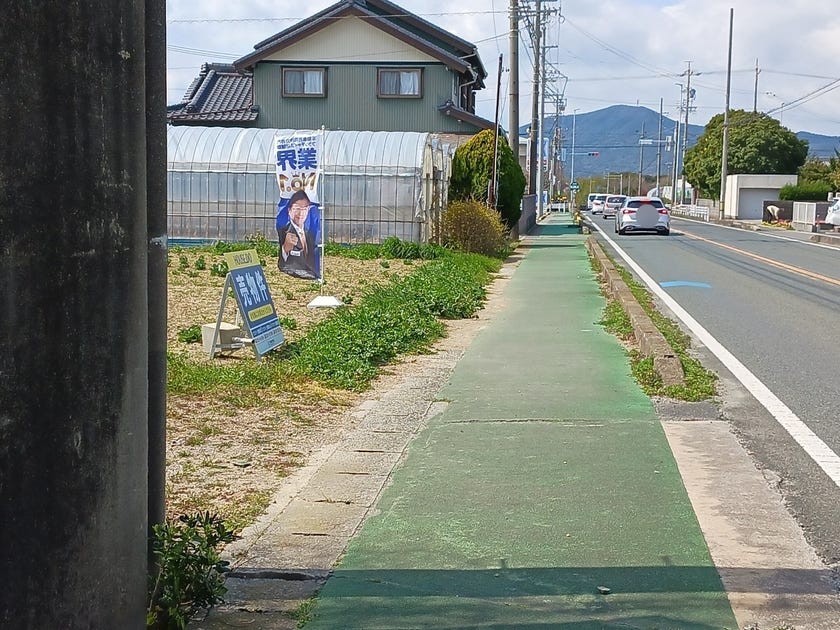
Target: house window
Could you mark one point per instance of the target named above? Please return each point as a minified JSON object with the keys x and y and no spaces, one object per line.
{"x":398,"y":83}
{"x":304,"y":82}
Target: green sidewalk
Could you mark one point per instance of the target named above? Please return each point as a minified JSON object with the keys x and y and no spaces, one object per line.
{"x":547,"y":476}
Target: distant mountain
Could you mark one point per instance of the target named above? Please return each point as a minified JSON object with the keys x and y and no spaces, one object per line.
{"x":820,"y":146}
{"x":614,"y":132}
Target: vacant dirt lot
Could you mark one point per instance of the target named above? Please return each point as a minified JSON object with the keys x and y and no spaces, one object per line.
{"x":228,"y":449}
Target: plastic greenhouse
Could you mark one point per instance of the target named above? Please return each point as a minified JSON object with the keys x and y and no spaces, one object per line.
{"x":222,"y":184}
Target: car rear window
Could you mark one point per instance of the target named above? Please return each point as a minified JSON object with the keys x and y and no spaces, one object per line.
{"x":615,"y":199}
{"x":638,"y":203}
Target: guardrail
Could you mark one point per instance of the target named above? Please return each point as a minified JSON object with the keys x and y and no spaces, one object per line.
{"x":695,"y":212}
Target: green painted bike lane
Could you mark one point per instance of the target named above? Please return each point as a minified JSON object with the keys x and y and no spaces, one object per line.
{"x":547,"y":479}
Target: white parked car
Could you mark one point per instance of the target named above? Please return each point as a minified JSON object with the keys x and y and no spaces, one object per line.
{"x":643,"y":214}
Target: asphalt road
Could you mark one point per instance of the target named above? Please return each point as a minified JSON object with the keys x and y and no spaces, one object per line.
{"x":772,"y":300}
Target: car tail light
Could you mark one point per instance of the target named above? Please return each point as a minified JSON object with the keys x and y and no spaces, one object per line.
{"x":663,"y":210}
{"x":628,"y":211}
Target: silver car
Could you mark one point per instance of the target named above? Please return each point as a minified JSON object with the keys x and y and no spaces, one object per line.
{"x":643,"y":214}
{"x":612,"y":204}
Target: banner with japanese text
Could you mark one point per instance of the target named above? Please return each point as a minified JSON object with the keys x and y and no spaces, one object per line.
{"x":298,"y":158}
{"x":254,"y":300}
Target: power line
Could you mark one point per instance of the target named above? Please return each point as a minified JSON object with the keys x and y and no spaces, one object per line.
{"x":808,"y":97}
{"x":337,"y":17}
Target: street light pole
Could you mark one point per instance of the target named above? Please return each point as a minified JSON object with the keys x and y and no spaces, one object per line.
{"x":725,"y":151}
{"x":781,"y":107}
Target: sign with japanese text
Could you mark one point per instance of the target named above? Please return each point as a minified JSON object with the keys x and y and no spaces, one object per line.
{"x":253,"y":298}
{"x":298,"y":156}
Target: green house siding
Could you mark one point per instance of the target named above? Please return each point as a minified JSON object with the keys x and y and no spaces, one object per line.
{"x":351,"y":102}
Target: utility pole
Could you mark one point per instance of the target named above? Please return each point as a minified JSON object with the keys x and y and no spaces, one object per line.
{"x":688,"y":97}
{"x":535,"y":101}
{"x":676,"y":164}
{"x":755,"y":90}
{"x":83,"y":363}
{"x":513,"y":111}
{"x":491,"y":197}
{"x":572,"y":173}
{"x":659,"y":150}
{"x":641,"y":157}
{"x":541,"y":116}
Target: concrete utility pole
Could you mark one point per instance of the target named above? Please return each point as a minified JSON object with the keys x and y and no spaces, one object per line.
{"x":494,"y":180}
{"x":688,"y":97}
{"x":641,"y":159}
{"x":677,"y":145}
{"x":513,"y":111}
{"x":725,"y":151}
{"x":83,"y":219}
{"x":572,"y":169}
{"x":535,"y":101}
{"x":659,"y":150}
{"x":541,"y":119}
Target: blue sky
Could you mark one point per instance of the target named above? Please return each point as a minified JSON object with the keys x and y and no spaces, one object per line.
{"x":610,"y":51}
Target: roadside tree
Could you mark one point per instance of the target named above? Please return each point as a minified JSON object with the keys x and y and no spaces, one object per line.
{"x":758,"y":144}
{"x":819,"y":171}
{"x":472,"y":170}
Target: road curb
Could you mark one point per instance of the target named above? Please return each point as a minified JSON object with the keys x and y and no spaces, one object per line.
{"x":652,"y":342}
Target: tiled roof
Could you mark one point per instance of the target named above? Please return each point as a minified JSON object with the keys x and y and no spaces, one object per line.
{"x":452,"y":51}
{"x":218,"y":94}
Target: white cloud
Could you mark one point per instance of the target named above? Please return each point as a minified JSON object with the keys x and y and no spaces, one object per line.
{"x":612,"y":51}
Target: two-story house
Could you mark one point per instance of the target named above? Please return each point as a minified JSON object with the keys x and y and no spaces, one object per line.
{"x":357,"y":65}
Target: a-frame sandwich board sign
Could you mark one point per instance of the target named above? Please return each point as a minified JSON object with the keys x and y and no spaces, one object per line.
{"x":246,"y":278}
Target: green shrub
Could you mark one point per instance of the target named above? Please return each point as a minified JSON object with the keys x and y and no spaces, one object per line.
{"x":472,"y":171}
{"x":472,"y":227}
{"x":189,"y":573}
{"x":219,"y":269}
{"x":806,"y":191}
{"x":190,"y":334}
{"x":263,"y":246}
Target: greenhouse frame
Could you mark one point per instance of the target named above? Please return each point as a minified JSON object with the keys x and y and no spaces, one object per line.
{"x":222,"y":184}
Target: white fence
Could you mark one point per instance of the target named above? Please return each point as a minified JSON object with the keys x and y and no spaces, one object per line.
{"x":694,"y":212}
{"x":805,"y":212}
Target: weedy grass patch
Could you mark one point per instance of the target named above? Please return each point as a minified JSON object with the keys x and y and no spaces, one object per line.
{"x":700,"y":383}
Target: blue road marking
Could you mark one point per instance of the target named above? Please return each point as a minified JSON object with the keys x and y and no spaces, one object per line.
{"x":684,"y":283}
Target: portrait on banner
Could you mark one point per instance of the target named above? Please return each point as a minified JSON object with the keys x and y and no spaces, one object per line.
{"x":299,"y":221}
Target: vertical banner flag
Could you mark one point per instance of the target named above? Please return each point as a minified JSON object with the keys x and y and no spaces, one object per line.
{"x":298,"y":156}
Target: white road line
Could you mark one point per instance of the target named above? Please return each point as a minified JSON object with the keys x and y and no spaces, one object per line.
{"x":761,"y":232}
{"x":816,"y":449}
